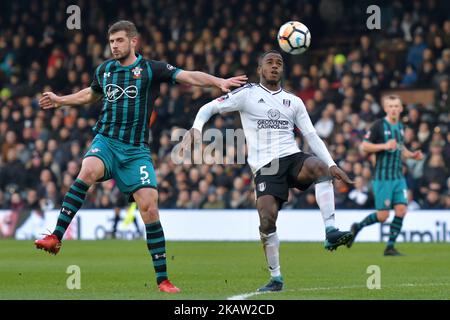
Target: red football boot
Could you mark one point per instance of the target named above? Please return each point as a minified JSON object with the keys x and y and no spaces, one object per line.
{"x":49,"y":243}
{"x":167,"y":286}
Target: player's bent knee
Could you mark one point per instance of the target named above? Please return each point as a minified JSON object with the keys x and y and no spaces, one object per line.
{"x":147,"y":202}
{"x":91,"y":171}
{"x":321,"y":172}
{"x":149,"y":213}
{"x":267,"y":224}
{"x":317,"y":168}
{"x":382,"y":216}
{"x":400,"y":210}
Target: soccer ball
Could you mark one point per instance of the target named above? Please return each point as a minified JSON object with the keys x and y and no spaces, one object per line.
{"x":294,"y":37}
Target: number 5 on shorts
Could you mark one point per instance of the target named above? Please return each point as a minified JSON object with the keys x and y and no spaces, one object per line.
{"x":144,"y":175}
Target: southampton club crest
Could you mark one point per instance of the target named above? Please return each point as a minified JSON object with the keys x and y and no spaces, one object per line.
{"x":136,"y":72}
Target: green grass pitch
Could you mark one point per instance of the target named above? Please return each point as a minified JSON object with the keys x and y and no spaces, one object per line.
{"x":219,"y":270}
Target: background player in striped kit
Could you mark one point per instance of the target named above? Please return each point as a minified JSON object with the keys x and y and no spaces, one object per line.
{"x":385,"y":139}
{"x":129,"y":85}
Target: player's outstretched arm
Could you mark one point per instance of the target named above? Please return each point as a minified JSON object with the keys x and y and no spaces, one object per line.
{"x":377,"y":147}
{"x":416,"y":155}
{"x":50,"y":100}
{"x":203,"y":115}
{"x":201,"y":79}
{"x":340,"y":174}
{"x":318,"y":147}
{"x":303,"y":122}
{"x":234,"y":101}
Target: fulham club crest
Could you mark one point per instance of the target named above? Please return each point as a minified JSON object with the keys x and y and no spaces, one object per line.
{"x":262,"y":186}
{"x":136,"y":72}
{"x":286,"y":102}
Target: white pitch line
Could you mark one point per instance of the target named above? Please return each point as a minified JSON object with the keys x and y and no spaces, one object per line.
{"x":245,"y":296}
{"x":251,"y":294}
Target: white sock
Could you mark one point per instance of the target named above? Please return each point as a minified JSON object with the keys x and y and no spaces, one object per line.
{"x":271,"y":245}
{"x":325,"y":200}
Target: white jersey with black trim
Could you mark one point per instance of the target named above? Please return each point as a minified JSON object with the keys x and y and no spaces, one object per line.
{"x":268,"y":119}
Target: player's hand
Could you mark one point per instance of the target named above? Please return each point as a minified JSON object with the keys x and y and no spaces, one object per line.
{"x":417,"y":155}
{"x":190,"y":138}
{"x":48,"y":100}
{"x":390,"y":145}
{"x":338,"y":173}
{"x":226,"y":84}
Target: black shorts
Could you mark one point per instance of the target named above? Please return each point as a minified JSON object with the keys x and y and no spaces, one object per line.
{"x":278,"y":183}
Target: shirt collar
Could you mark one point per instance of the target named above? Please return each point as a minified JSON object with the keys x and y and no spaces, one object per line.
{"x":119,"y":66}
{"x":270,"y":91}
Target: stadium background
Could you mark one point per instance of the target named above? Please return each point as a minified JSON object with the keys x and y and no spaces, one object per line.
{"x":340,"y":79}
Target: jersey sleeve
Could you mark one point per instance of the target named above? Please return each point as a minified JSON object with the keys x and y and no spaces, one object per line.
{"x":302,"y":119}
{"x":95,"y":85}
{"x":374,"y":135}
{"x":164,"y":72}
{"x":233,"y":101}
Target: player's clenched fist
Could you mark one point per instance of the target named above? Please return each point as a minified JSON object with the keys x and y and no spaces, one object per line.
{"x":391,"y":145}
{"x":338,"y":173}
{"x":48,"y":100}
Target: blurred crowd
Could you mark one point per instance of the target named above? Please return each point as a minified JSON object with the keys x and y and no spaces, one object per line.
{"x":340,"y":80}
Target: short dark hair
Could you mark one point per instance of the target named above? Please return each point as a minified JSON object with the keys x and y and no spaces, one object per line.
{"x":263,"y":55}
{"x":123,"y":25}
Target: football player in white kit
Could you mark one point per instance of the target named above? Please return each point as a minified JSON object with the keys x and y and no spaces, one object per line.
{"x":268,"y":115}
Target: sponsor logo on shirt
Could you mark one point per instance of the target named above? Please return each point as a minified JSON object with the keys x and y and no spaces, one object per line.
{"x":273,"y":121}
{"x":273,"y":114}
{"x":114,"y":92}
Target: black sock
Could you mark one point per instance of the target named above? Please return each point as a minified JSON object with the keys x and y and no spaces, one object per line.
{"x":367,"y":221}
{"x":73,"y":200}
{"x":396,"y":226}
{"x":116,"y":222}
{"x":156,"y":245}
